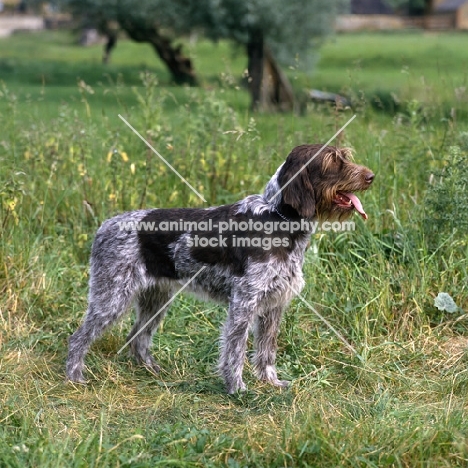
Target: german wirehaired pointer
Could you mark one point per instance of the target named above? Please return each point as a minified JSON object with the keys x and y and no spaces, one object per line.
{"x":244,"y":254}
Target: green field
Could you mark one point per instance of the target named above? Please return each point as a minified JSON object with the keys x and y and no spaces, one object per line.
{"x":67,"y":162}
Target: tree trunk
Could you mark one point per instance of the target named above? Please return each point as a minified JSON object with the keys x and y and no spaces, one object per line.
{"x":269,"y":87}
{"x":277,"y":92}
{"x":111,"y":42}
{"x":110,"y":31}
{"x":256,"y":57}
{"x":181,"y":67}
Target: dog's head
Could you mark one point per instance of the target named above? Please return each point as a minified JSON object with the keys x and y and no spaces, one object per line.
{"x":320,"y":183}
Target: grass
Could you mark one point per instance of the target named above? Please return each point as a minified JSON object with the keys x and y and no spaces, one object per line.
{"x":67,"y":163}
{"x":412,"y":58}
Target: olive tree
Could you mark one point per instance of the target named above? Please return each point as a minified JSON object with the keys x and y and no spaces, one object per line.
{"x":272,"y":32}
{"x":156,"y":22}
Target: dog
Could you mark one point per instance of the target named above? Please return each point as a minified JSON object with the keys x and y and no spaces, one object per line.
{"x":136,"y":258}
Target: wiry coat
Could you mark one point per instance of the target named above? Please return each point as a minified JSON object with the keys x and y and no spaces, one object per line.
{"x":146,"y":266}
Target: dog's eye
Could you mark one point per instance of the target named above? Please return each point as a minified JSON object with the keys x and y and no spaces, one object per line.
{"x":336,"y":164}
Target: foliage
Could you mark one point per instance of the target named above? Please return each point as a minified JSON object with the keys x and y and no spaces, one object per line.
{"x":291,"y":29}
{"x":174,"y":14}
{"x":446,"y":204}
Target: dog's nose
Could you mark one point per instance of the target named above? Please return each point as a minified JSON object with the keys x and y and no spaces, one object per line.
{"x":370,"y":178}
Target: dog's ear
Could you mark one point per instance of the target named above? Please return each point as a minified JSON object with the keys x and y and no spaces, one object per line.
{"x":299,"y":193}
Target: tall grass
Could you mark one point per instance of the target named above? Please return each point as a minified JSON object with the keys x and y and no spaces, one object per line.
{"x":398,"y":400}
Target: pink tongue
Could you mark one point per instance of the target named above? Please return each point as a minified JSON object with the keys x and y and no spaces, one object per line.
{"x":356,"y":203}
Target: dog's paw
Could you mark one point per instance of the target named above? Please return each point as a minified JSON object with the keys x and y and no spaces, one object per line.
{"x":278,"y":383}
{"x":74,"y":373}
{"x":237,"y":388}
{"x":268,"y":375}
{"x":153,"y":368}
{"x":78,"y":379}
{"x":282,"y":383}
{"x":150,"y":364}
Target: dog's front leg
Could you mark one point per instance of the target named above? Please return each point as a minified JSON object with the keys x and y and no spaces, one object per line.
{"x":265,"y":332}
{"x":233,"y":345}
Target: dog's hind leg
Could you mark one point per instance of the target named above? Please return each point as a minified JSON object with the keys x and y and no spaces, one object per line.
{"x":109,"y":299}
{"x":150,"y":312}
{"x":233,"y":342}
